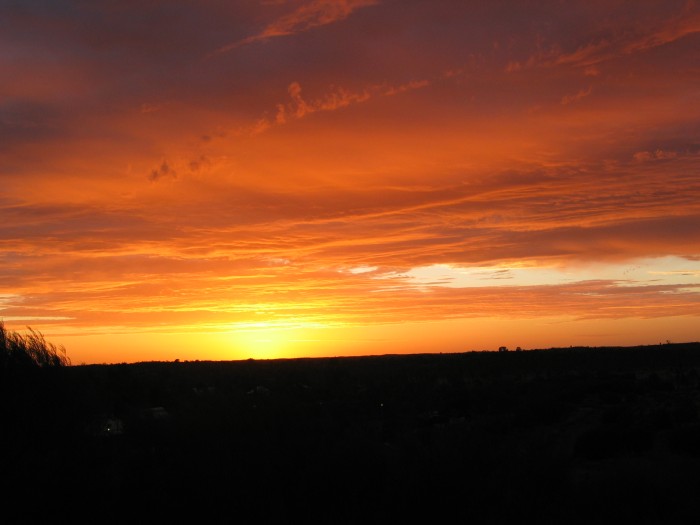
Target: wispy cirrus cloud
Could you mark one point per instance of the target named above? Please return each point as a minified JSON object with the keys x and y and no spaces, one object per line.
{"x":623,"y":42}
{"x":307,"y":16}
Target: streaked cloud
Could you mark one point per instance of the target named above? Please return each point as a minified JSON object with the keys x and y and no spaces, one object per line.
{"x":640,"y":36}
{"x":366,"y":174}
{"x":307,"y":16}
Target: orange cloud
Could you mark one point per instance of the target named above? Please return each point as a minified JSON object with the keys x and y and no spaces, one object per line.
{"x":622,"y":42}
{"x":309,"y":15}
{"x":321,"y":183}
{"x":336,"y":99}
{"x":569,"y":99}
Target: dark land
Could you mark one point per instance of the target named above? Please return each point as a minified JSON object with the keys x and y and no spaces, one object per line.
{"x":561,"y":435}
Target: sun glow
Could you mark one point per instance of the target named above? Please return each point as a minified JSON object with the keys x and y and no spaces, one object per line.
{"x":268,"y":339}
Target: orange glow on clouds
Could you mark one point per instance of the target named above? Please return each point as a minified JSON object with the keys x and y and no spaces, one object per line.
{"x":346,"y":177}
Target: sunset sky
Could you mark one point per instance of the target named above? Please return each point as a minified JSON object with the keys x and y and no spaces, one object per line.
{"x":222,"y":180}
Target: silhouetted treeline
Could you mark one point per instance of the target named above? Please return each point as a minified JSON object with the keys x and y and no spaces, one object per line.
{"x":573,"y":435}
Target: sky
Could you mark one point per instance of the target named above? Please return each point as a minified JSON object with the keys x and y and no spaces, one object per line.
{"x":224,"y":180}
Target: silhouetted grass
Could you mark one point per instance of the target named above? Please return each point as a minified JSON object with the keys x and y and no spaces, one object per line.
{"x":29,"y":350}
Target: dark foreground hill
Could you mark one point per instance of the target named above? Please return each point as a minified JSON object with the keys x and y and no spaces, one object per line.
{"x":575,"y":435}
